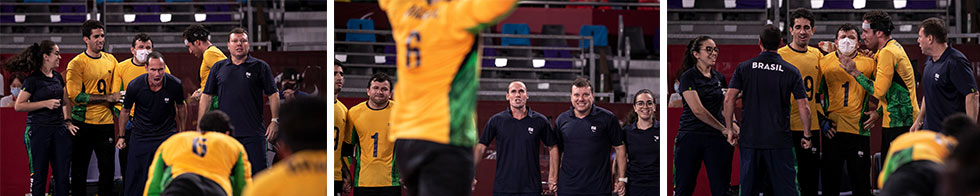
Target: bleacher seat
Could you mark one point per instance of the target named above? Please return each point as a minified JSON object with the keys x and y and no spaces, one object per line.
{"x":555,"y":30}
{"x":517,"y":29}
{"x":7,"y":18}
{"x":599,"y":34}
{"x":37,"y":1}
{"x":72,"y":9}
{"x":391,"y":60}
{"x":750,"y":4}
{"x":217,"y":17}
{"x":838,"y":4}
{"x":638,"y":47}
{"x":921,"y":4}
{"x":146,"y":9}
{"x":361,"y":24}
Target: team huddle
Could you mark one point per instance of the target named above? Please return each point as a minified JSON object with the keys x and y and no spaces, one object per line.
{"x":74,"y":116}
{"x":794,"y":97}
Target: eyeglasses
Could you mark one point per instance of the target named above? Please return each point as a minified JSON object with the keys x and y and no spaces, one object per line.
{"x":641,"y":104}
{"x":712,"y":49}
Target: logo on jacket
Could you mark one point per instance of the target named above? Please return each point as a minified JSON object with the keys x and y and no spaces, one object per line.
{"x":248,"y":75}
{"x":530,"y":131}
{"x":937,"y":76}
{"x":593,"y":129}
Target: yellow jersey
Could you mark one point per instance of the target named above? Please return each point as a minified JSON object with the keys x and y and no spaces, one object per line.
{"x":914,"y":146}
{"x":894,"y":86}
{"x":86,"y":76}
{"x":439,"y":66}
{"x":211,"y":56}
{"x":124,"y":73}
{"x":808,"y":62}
{"x":340,"y":131}
{"x":213,"y":155}
{"x":303,"y":173}
{"x":373,"y":154}
{"x":846,"y":102}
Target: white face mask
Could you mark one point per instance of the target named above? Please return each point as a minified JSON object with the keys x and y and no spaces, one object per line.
{"x":676,"y":86}
{"x":14,"y":91}
{"x":847,"y":46}
{"x":141,"y":55}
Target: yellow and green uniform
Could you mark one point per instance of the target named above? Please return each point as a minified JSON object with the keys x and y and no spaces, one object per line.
{"x":439,"y":66}
{"x":915,"y":146}
{"x":87,"y":76}
{"x":125,"y":72}
{"x":808,"y":62}
{"x":211,"y":56}
{"x":213,"y":155}
{"x":303,"y":173}
{"x":341,"y":134}
{"x":894,"y":86}
{"x":374,"y":155}
{"x":846,"y":102}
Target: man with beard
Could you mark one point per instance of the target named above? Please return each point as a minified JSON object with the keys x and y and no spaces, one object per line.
{"x":519,"y":132}
{"x":374,"y":157}
{"x":88,"y":79}
{"x":240,"y":83}
{"x":807,"y":60}
{"x":158,"y":99}
{"x":342,"y":147}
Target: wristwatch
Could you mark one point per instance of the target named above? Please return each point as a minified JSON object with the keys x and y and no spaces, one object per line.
{"x":622,"y":180}
{"x":275,"y":120}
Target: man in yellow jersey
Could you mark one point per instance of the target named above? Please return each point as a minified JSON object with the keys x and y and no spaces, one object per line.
{"x":438,"y":61}
{"x":203,"y":162}
{"x":893,"y":83}
{"x":198,"y":42}
{"x":845,"y":139}
{"x":917,"y":161}
{"x":88,"y":79}
{"x":240,"y":84}
{"x":304,"y":141}
{"x":126,"y":71}
{"x":342,"y":146}
{"x":369,"y":124}
{"x":807,"y":60}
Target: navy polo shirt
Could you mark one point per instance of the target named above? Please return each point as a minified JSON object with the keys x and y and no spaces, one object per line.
{"x":643,"y":153}
{"x":585,"y":144}
{"x":710,"y":94}
{"x":766,"y":83}
{"x":43,"y":88}
{"x":240,"y":89}
{"x":518,"y":154}
{"x":945,"y":83}
{"x":155,"y":112}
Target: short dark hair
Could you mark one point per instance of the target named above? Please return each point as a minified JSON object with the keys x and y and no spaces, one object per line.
{"x":217,"y":121}
{"x":143,"y":37}
{"x":770,"y":37}
{"x":89,"y":25}
{"x":963,"y":167}
{"x":338,"y":63}
{"x":301,"y":124}
{"x":196,"y":32}
{"x":238,"y":30}
{"x":880,"y":21}
{"x":801,"y":13}
{"x":155,"y":55}
{"x":380,"y":77}
{"x":847,"y":27}
{"x":935,"y":27}
{"x":958,"y":125}
{"x":290,"y":73}
{"x":582,"y":82}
